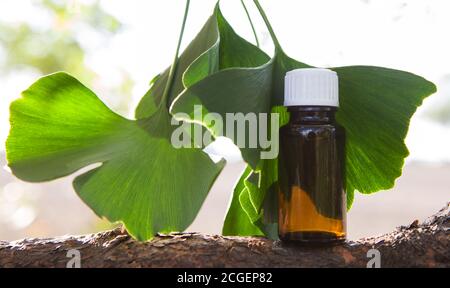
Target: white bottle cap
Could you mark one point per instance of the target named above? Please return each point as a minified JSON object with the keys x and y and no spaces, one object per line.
{"x":311,"y":87}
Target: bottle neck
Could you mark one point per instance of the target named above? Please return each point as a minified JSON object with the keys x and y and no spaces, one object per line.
{"x":312,"y":114}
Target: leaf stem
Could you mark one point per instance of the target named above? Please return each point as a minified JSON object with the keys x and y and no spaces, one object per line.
{"x":251,"y":23}
{"x":173,"y":68}
{"x":268,"y":25}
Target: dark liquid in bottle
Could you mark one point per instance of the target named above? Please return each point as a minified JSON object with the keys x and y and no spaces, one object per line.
{"x":312,"y":199}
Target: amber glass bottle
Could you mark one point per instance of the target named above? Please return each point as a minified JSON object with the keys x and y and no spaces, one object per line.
{"x":312,"y":199}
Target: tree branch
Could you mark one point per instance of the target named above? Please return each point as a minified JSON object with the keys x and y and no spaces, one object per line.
{"x":416,"y":245}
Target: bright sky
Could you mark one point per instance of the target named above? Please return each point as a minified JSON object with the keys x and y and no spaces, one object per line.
{"x":410,"y":35}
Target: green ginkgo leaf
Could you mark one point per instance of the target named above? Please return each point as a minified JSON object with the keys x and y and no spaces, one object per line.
{"x":239,"y":215}
{"x":216,"y":47}
{"x":376,"y":105}
{"x":60,"y":126}
{"x":206,"y":40}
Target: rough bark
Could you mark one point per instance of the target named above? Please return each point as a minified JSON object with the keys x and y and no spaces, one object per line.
{"x":417,"y":245}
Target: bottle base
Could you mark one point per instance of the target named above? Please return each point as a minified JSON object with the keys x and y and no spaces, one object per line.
{"x":312,"y":238}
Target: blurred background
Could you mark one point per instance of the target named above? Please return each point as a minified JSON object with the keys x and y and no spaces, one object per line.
{"x":116,"y":47}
